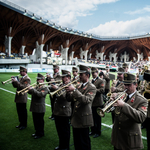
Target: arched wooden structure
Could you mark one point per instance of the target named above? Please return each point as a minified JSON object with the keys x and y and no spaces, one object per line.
{"x":27,"y":28}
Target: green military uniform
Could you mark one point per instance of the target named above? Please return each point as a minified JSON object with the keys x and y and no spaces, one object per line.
{"x":62,"y":113}
{"x":126,"y":132}
{"x":82,"y":118}
{"x":56,"y":77}
{"x":97,"y":102}
{"x":37,"y":107}
{"x":21,"y":100}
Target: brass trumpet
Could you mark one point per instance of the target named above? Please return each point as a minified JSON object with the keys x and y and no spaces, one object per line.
{"x":50,"y":82}
{"x":60,"y":89}
{"x":109,"y":107}
{"x":23,"y":90}
{"x":8,"y":81}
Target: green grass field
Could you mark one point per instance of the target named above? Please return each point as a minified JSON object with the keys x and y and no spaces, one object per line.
{"x":12,"y":138}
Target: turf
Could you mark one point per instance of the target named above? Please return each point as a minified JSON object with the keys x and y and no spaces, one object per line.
{"x":12,"y":138}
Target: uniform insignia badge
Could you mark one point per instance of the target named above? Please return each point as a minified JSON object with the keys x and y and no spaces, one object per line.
{"x":26,"y":82}
{"x":91,"y":93}
{"x":125,"y":75}
{"x":144,"y":108}
{"x":84,"y":87}
{"x":132,"y":100}
{"x":42,"y":91}
{"x":79,"y":86}
{"x":102,"y":84}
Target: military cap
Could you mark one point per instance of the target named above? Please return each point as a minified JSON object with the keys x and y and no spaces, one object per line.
{"x":65,"y":73}
{"x":84,"y":69}
{"x":94,"y":69}
{"x":107,"y":67}
{"x":121,"y":70}
{"x":101,"y":74}
{"x":124,"y":65}
{"x":139,"y":67}
{"x":74,"y":69}
{"x":55,"y":67}
{"x":40,"y":76}
{"x":23,"y":69}
{"x":129,"y":78}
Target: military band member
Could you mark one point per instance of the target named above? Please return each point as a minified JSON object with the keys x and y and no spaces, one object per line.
{"x":106,"y":77}
{"x":75,"y":73}
{"x":62,"y":113}
{"x":125,"y":67}
{"x":83,"y":96}
{"x":21,"y":100}
{"x":56,"y":77}
{"x":37,"y":106}
{"x":119,"y":86}
{"x":126,"y":132}
{"x":97,"y":102}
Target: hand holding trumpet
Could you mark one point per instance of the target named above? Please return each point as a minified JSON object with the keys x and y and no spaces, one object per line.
{"x":118,"y":103}
{"x":70,"y":88}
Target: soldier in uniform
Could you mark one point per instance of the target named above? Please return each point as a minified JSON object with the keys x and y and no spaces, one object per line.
{"x":126,"y":132}
{"x":82,"y":95}
{"x":106,"y":77}
{"x":38,"y":106}
{"x":125,"y":67}
{"x":21,"y":100}
{"x":118,"y":86}
{"x":56,"y":77}
{"x":62,"y":113}
{"x":97,"y":102}
{"x":75,"y":73}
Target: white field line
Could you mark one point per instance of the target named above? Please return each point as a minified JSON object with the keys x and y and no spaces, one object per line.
{"x":109,"y":126}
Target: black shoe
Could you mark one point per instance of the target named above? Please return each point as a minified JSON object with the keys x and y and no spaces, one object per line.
{"x":91,"y":133}
{"x":33,"y":134}
{"x":22,"y":127}
{"x":37,"y":136}
{"x":57,"y":148}
{"x":18,"y":126}
{"x":96,"y":135}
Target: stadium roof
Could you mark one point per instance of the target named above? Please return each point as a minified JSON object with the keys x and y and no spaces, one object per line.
{"x":27,"y":28}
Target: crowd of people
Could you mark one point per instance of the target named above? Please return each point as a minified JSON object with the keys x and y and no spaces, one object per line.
{"x":76,"y":100}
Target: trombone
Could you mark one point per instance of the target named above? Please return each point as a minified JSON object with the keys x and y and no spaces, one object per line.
{"x":60,"y":89}
{"x":9,"y":80}
{"x":109,"y":107}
